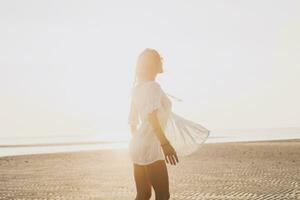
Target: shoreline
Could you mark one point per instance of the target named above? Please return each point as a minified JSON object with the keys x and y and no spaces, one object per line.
{"x":98,"y":146}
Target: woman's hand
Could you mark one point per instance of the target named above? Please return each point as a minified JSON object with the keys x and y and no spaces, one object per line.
{"x":170,"y":153}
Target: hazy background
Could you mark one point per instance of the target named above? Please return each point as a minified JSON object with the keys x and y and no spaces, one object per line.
{"x":66,"y":67}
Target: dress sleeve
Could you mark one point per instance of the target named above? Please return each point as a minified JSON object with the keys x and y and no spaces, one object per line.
{"x":133,"y":115}
{"x":153,"y":98}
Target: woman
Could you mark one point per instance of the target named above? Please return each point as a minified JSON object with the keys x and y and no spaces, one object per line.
{"x":158,"y":135}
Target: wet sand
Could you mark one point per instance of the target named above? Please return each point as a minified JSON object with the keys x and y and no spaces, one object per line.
{"x":245,"y":170}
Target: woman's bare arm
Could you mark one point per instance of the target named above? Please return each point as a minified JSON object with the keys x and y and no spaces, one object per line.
{"x":168,"y":149}
{"x":152,"y":117}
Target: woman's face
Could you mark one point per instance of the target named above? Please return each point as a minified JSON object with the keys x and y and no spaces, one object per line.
{"x":160,"y":69}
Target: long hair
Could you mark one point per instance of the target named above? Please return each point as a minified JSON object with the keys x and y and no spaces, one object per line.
{"x":149,"y":61}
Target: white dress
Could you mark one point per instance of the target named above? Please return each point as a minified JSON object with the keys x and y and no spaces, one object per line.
{"x":144,"y":147}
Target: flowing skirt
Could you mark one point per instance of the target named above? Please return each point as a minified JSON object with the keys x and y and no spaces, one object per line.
{"x":184,"y":135}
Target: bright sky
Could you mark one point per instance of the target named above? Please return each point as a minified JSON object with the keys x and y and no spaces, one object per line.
{"x":66,"y":66}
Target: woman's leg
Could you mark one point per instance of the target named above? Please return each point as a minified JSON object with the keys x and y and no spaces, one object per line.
{"x":158,"y":175}
{"x":142,"y":183}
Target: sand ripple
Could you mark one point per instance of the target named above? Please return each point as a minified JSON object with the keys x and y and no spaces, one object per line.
{"x":258,"y":170}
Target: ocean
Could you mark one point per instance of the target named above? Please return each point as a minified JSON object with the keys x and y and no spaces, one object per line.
{"x":10,"y":146}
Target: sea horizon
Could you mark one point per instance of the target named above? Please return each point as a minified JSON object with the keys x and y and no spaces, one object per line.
{"x":13,"y":146}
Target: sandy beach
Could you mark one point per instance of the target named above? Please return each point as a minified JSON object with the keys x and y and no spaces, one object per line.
{"x":245,"y":170}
